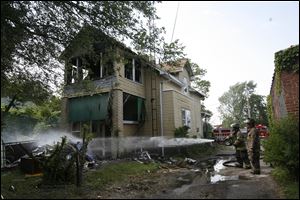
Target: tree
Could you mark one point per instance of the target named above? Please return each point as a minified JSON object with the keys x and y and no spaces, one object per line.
{"x":206,"y":115}
{"x":26,"y":89}
{"x":34,"y":33}
{"x":234,"y":105}
{"x":198,"y":82}
{"x":172,"y":52}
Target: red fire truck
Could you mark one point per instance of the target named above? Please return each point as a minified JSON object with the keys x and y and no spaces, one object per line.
{"x":263,"y":131}
{"x":221,"y":134}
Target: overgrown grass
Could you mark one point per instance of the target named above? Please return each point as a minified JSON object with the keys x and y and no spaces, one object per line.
{"x":282,"y":151}
{"x":289,"y":186}
{"x":117,"y":172}
{"x":93,"y":180}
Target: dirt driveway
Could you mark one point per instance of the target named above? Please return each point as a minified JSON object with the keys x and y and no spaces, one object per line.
{"x":207,"y":179}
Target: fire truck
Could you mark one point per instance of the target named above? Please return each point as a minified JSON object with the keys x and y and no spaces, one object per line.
{"x":221,"y":134}
{"x":263,"y":131}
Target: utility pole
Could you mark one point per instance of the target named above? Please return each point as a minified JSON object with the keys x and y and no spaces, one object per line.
{"x":175,"y":22}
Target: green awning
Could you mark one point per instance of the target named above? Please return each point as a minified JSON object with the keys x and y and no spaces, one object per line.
{"x":88,"y":108}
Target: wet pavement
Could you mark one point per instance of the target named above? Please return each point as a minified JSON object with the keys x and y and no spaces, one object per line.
{"x":214,"y":180}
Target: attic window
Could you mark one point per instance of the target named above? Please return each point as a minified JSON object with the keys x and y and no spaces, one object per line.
{"x":106,"y":66}
{"x":76,"y":69}
{"x":101,"y":67}
{"x":133,"y":70}
{"x":185,"y":86}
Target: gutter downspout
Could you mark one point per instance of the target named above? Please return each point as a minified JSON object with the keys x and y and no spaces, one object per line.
{"x":161,"y":118}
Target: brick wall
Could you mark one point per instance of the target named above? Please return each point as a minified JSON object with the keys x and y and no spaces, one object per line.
{"x":288,"y":100}
{"x":278,"y":103}
{"x":290,"y":86}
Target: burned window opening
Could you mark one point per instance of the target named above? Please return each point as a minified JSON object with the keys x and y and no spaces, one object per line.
{"x":133,"y":108}
{"x":87,"y":68}
{"x":76,"y":126}
{"x":133,"y":70}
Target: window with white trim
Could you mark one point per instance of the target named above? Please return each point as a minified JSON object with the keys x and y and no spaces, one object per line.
{"x":133,"y":70}
{"x":186,"y":118}
{"x":185,"y":86}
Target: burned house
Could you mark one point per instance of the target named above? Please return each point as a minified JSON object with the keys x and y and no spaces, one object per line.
{"x":118,"y":93}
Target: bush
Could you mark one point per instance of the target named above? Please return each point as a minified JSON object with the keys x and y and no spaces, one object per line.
{"x":282,"y":146}
{"x":288,"y":186}
{"x":59,"y":167}
{"x":181,"y":132}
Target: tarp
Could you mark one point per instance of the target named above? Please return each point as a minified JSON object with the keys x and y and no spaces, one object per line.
{"x":88,"y":108}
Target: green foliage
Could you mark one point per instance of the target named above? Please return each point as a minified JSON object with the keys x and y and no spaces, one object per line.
{"x":96,"y":181}
{"x":34,"y":33}
{"x":59,"y":167}
{"x":285,"y":60}
{"x":38,"y":118}
{"x":270,"y":110}
{"x":281,"y":175}
{"x":234,"y":106}
{"x":173,"y":52}
{"x":117,"y":172}
{"x":282,"y":146}
{"x":207,"y":129}
{"x":286,"y":182}
{"x":198,"y":82}
{"x":26,"y":89}
{"x":181,"y":132}
{"x":14,"y":123}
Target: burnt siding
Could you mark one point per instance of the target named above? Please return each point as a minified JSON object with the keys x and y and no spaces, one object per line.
{"x":102,"y":85}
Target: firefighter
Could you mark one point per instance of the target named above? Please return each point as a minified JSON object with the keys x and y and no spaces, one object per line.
{"x":239,"y":142}
{"x":253,"y":146}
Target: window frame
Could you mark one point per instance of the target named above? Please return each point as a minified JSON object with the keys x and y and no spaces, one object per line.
{"x":185,"y":116}
{"x":134,"y":70}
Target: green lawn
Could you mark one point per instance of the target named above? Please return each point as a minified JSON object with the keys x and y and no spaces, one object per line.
{"x":30,"y":188}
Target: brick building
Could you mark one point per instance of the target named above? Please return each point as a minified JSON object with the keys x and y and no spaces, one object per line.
{"x":285,"y":94}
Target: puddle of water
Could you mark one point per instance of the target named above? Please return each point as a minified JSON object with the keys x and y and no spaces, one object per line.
{"x":182,"y":189}
{"x":217,"y":177}
{"x":219,"y":165}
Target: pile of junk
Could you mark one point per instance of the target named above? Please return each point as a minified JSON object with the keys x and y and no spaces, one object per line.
{"x":27,"y":155}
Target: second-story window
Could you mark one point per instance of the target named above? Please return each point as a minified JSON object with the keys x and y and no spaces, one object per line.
{"x":138,"y":71}
{"x":106,"y":66}
{"x":186,"y":117}
{"x":133,"y":70}
{"x":76,"y":69}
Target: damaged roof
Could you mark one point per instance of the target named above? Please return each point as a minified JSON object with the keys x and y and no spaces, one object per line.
{"x":91,"y":37}
{"x":178,"y":66}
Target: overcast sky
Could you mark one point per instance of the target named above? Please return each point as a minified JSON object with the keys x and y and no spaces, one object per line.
{"x":233,"y":41}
